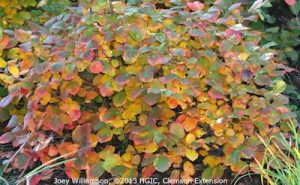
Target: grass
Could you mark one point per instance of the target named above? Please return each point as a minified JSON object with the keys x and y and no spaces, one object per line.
{"x":281,"y":160}
{"x":46,"y":166}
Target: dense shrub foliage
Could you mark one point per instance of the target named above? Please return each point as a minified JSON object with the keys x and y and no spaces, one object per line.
{"x":279,"y":20}
{"x":15,"y":13}
{"x":135,"y":89}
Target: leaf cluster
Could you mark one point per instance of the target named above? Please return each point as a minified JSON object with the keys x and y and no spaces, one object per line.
{"x":176,"y":87}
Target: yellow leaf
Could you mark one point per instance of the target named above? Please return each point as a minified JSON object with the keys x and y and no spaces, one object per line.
{"x":131,"y":111}
{"x":45,"y":99}
{"x":6,"y":79}
{"x":3,"y":63}
{"x":191,"y":154}
{"x":14,"y":70}
{"x":230,"y":132}
{"x":126,"y":157}
{"x":243,"y":56}
{"x":211,"y":161}
{"x":198,"y":132}
{"x":151,"y":148}
{"x":236,"y":140}
{"x":190,"y":138}
{"x":93,"y":140}
{"x":118,"y":123}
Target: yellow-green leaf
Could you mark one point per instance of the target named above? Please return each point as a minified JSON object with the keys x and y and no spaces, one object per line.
{"x":14,"y":70}
{"x":279,"y":87}
{"x":191,"y":154}
{"x":3,"y":63}
{"x":6,"y":79}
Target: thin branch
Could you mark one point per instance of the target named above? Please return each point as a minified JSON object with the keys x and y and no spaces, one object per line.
{"x":111,"y":7}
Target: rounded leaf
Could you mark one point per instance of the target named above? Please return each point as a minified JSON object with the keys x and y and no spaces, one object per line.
{"x":177,"y":130}
{"x":161,"y":163}
{"x":279,"y":87}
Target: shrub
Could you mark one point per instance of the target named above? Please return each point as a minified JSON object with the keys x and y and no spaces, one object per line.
{"x":281,"y":26}
{"x":135,"y":89}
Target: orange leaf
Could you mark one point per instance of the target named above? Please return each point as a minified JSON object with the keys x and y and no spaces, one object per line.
{"x":72,"y":173}
{"x":189,"y":123}
{"x":211,"y":161}
{"x":188,"y":167}
{"x":52,"y":151}
{"x":67,"y":148}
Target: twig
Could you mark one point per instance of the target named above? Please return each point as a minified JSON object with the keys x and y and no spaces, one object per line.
{"x":111,"y":7}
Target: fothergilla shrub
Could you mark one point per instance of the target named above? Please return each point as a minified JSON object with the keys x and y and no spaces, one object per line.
{"x":138,"y":90}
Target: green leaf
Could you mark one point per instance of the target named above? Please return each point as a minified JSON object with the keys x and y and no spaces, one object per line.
{"x":95,"y":170}
{"x":21,"y":161}
{"x":110,"y":162}
{"x":161,"y":163}
{"x":147,"y":74}
{"x":136,"y":33}
{"x":213,"y":172}
{"x":177,"y":130}
{"x":279,"y":87}
{"x":119,"y":99}
{"x":130,"y":55}
{"x":235,"y":156}
{"x":104,"y":135}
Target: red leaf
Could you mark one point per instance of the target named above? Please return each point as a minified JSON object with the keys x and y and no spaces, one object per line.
{"x":41,"y":91}
{"x":195,"y":6}
{"x":96,"y":67}
{"x":148,"y":171}
{"x":215,"y":95}
{"x":35,"y":180}
{"x":290,"y":2}
{"x":4,"y":42}
{"x":6,"y":137}
{"x":75,"y":115}
{"x":282,"y":110}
